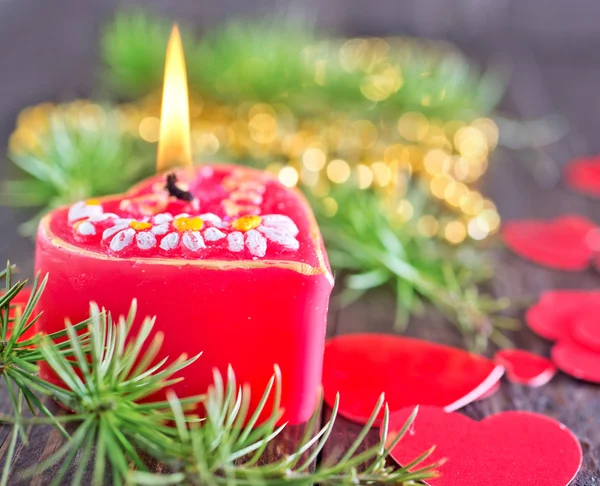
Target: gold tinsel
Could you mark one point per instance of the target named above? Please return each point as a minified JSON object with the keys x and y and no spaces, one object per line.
{"x":446,"y":158}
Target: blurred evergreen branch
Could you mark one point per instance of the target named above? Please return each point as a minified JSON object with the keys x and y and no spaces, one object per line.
{"x":284,"y":59}
{"x":73,"y":159}
{"x":371,"y":248}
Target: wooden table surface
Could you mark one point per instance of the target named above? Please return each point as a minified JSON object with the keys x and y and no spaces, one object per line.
{"x":524,"y":184}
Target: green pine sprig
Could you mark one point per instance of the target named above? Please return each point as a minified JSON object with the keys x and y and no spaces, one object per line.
{"x":108,"y":375}
{"x":227,"y":447}
{"x":283,"y":59}
{"x":372,"y":249}
{"x":19,"y":357}
{"x":103,"y":387}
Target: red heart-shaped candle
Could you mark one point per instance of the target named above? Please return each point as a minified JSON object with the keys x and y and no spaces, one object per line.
{"x":238,"y":273}
{"x":564,"y":243}
{"x":505,"y":449}
{"x":409,"y":371}
{"x":525,"y":368}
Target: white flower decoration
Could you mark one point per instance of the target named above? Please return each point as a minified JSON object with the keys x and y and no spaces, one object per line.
{"x":253,"y":232}
{"x":84,"y":214}
{"x":173,"y":230}
{"x":85,"y":209}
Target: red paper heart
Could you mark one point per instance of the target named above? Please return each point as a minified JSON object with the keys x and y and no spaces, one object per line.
{"x":565,"y":243}
{"x":525,"y":368}
{"x":586,"y":329}
{"x":571,"y":318}
{"x":410,"y":371}
{"x":491,"y":392}
{"x":505,"y":449}
{"x":555,"y":313}
{"x":583,"y":175}
{"x":577,"y":360}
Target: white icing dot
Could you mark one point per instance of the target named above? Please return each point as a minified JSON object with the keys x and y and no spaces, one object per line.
{"x":213,"y":219}
{"x":170,"y":241}
{"x":125,"y":220}
{"x":145,"y":240}
{"x":161,"y":229}
{"x":122,"y":239}
{"x":213,"y":234}
{"x":193,"y":240}
{"x":81,"y":210}
{"x":162,"y":218}
{"x":182,"y":215}
{"x":281,"y":237}
{"x":256,"y":243}
{"x":86,"y":228}
{"x":235,"y":241}
{"x":102,"y":217}
{"x":108,"y":232}
{"x":280,"y":222}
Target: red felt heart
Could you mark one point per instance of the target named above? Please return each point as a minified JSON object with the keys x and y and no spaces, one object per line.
{"x":565,"y":243}
{"x":576,"y":360}
{"x":504,"y":449}
{"x":410,"y":371}
{"x":524,"y":367}
{"x":583,"y":175}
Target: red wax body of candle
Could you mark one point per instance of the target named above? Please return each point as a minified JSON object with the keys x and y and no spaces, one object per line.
{"x":239,"y":273}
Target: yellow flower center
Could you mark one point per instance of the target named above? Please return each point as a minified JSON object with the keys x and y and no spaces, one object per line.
{"x":246,"y":223}
{"x":92,"y":202}
{"x":139,"y":225}
{"x":188,"y":224}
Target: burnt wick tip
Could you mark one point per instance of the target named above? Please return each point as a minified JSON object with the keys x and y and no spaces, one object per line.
{"x":176,"y":191}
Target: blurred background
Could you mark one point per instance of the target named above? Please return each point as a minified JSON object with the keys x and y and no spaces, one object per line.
{"x":545,"y":52}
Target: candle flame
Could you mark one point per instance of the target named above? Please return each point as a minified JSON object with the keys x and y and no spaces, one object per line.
{"x":174,"y":146}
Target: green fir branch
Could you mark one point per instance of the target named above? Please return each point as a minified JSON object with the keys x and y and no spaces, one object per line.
{"x":283,"y":59}
{"x":106,"y":379}
{"x":372,"y":249}
{"x":226,"y":448}
{"x":103,"y":385}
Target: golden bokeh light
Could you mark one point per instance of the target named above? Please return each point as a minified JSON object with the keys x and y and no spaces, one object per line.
{"x":437,"y":161}
{"x":405,"y":210}
{"x":288,"y":176}
{"x":330,"y":206}
{"x":364,"y":176}
{"x":382,"y":173}
{"x":338,"y":171}
{"x":413,"y":126}
{"x":491,"y":218}
{"x":150,"y":129}
{"x":455,"y":232}
{"x":439,"y":184}
{"x":428,"y":225}
{"x":314,"y":159}
{"x":478,"y":228}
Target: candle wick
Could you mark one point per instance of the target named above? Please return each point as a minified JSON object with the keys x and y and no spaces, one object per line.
{"x":176,"y":191}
